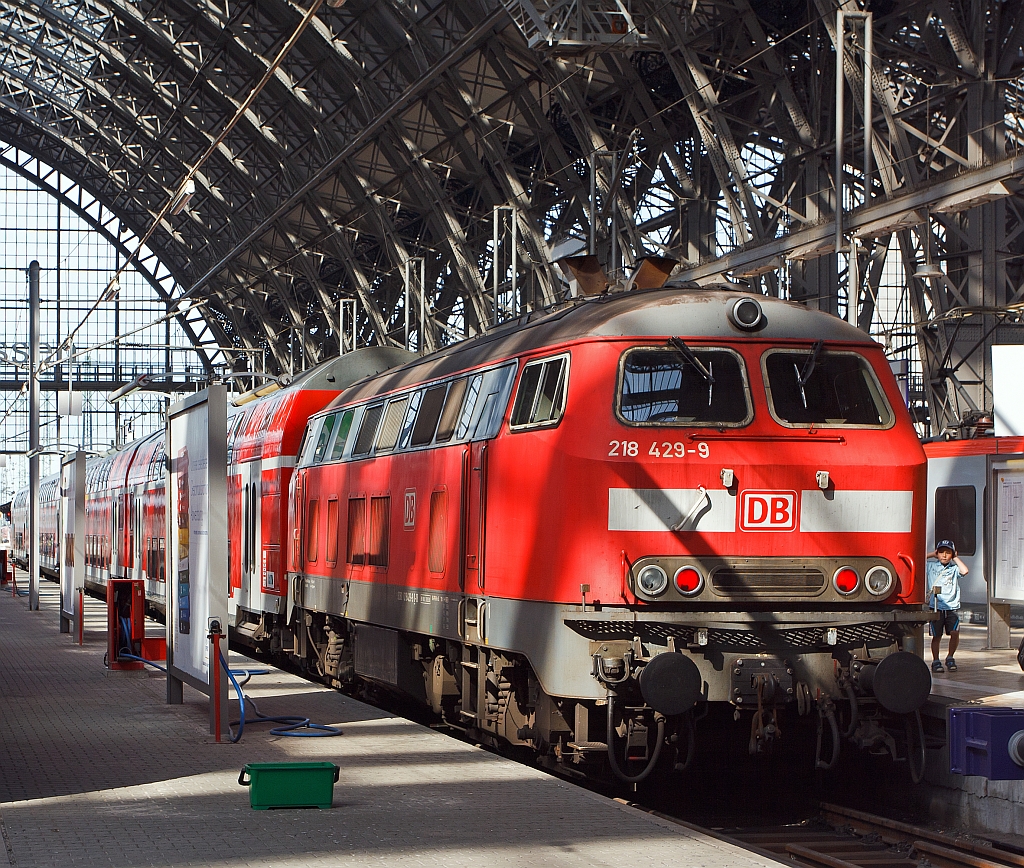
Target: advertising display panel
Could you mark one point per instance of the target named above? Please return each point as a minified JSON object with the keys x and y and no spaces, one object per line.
{"x":197,"y":550}
{"x":1008,"y":532}
{"x":71,"y":538}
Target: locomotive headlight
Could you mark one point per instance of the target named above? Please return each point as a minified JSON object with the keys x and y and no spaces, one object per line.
{"x":652,"y":580}
{"x":688,"y":581}
{"x":878,"y":581}
{"x":846,"y":580}
{"x":746,"y":314}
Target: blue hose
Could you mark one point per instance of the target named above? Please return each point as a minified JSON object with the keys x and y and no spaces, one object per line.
{"x":295,"y":725}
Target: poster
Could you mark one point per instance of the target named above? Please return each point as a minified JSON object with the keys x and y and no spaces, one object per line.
{"x":197,"y":553}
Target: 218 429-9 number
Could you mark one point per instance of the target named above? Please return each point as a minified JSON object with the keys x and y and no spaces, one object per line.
{"x":678,"y":449}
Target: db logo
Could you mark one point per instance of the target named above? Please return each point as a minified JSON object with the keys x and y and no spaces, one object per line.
{"x":410,"y":507}
{"x":768,"y":510}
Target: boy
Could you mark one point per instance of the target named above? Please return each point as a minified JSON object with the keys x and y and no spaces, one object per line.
{"x":943,"y":571}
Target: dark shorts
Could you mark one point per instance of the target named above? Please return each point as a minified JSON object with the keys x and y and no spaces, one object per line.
{"x":949,"y":620}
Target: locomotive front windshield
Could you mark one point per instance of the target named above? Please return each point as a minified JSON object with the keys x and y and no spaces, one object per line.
{"x":679,"y":386}
{"x":818,"y":387}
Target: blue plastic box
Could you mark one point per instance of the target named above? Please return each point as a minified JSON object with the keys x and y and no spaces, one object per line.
{"x":980,"y":742}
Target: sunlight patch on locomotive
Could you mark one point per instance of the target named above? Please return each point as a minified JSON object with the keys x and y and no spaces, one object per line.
{"x":662,"y":509}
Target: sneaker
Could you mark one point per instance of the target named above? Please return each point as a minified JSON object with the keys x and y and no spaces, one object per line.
{"x":937,"y":666}
{"x":951,"y":664}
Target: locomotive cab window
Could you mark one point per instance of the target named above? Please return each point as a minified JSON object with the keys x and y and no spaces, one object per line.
{"x":826,"y":388}
{"x":680,"y":385}
{"x":956,"y":516}
{"x":541,"y":396}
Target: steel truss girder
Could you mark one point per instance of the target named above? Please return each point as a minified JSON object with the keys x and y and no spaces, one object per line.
{"x":394,"y":129}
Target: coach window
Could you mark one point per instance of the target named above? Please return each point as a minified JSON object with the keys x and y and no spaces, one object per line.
{"x":367,"y":429}
{"x":452,"y":406}
{"x":429,"y":415}
{"x":324,"y":438}
{"x":341,"y":438}
{"x":410,"y":419}
{"x":956,"y":516}
{"x":391,"y":427}
{"x":824,"y":388}
{"x":541,"y":397}
{"x":682,"y":385}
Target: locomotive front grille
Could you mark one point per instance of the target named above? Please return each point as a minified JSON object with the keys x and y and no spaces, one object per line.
{"x":760,"y":638}
{"x":737,"y":581}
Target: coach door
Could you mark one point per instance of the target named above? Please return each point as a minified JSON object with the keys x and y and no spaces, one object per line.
{"x":474,"y":518}
{"x":251,"y":588}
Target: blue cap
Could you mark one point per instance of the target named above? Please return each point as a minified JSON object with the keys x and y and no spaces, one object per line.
{"x":945,"y":544}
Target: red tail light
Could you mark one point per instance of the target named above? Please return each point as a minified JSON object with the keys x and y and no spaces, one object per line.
{"x":688,"y":581}
{"x":846,"y":580}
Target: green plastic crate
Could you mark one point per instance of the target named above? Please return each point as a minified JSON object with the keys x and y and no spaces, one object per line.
{"x":289,"y":785}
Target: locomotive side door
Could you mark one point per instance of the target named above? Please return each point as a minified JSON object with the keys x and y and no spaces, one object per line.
{"x":474,"y":519}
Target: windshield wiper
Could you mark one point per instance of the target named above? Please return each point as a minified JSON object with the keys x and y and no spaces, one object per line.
{"x":706,"y":372}
{"x":804,"y":374}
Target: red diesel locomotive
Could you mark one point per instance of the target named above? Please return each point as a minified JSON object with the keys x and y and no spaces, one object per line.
{"x":579,"y":530}
{"x":571,"y":531}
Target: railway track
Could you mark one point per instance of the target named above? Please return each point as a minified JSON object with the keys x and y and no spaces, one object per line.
{"x":846,"y":838}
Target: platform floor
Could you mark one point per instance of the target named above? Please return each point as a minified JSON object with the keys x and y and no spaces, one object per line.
{"x":96,"y":770}
{"x":982,"y":675}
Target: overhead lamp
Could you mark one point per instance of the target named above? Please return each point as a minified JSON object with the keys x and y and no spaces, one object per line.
{"x":140,"y":383}
{"x":183,"y":197}
{"x":889,"y":224}
{"x":964,"y":200}
{"x":928,"y":270}
{"x":261,"y":391}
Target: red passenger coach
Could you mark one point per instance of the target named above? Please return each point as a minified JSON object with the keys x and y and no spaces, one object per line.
{"x":575,"y":532}
{"x":263,"y":443}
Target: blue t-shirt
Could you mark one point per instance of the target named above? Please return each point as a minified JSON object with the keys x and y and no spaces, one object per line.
{"x":947,"y":579}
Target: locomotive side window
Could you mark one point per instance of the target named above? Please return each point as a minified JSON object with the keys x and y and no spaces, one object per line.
{"x":410,"y":419}
{"x":541,"y":396}
{"x":311,"y":439}
{"x":313,"y":531}
{"x":438,"y":531}
{"x":497,"y":386}
{"x":355,"y":552}
{"x":332,"y":531}
{"x":430,"y":413}
{"x":367,"y":429}
{"x":831,"y":389}
{"x":468,"y":406}
{"x":341,"y":438}
{"x":956,"y":516}
{"x":324,"y":438}
{"x":452,"y":405}
{"x":380,"y":520}
{"x":391,"y":427}
{"x":670,"y":386}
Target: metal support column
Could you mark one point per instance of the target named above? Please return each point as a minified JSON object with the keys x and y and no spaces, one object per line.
{"x":33,"y":435}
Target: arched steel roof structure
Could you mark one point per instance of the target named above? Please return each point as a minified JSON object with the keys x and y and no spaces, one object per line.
{"x":393,"y":129}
